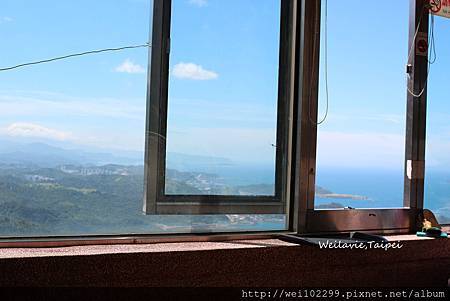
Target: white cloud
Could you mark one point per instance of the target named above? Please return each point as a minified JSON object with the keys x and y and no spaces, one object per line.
{"x":383,"y":118}
{"x":128,"y":66}
{"x":98,"y":122}
{"x":237,"y":113}
{"x":54,"y":105}
{"x":5,"y":19}
{"x":22,"y":129}
{"x":365,"y":149}
{"x":199,"y":3}
{"x":193,"y":72}
{"x":438,"y":148}
{"x":248,"y":145}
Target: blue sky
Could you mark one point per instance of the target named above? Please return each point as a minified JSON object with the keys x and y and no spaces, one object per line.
{"x":223,"y":82}
{"x":438,"y":126}
{"x":368,"y":48}
{"x":367,"y":51}
{"x":85,"y":100}
{"x":224,"y":79}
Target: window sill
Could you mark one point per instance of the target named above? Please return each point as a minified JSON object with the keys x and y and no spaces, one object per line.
{"x":104,"y":249}
{"x":268,"y":262}
{"x":139,"y":248}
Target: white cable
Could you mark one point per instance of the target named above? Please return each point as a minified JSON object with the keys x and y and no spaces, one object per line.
{"x":432,"y":47}
{"x":326,"y":70}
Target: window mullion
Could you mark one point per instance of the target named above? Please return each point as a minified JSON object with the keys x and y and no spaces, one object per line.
{"x":416,"y":107}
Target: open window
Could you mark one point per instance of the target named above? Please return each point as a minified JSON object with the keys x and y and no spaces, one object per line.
{"x":220,"y":103}
{"x":437,"y":176}
{"x":363,"y":165}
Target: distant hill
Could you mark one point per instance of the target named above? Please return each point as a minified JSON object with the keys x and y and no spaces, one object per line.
{"x":106,"y":199}
{"x":77,"y":200}
{"x":186,"y":162}
{"x":330,"y":206}
{"x":46,"y":155}
{"x":321,"y":190}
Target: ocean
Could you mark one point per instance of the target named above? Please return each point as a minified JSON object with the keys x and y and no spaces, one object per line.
{"x":382,"y":187}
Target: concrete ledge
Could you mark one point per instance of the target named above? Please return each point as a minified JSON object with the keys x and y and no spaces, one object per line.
{"x":420,"y":262}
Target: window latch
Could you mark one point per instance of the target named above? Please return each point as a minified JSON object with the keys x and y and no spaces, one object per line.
{"x":415,"y":170}
{"x":409,"y":68}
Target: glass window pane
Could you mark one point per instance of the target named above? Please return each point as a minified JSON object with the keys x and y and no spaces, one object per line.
{"x":360,"y":159}
{"x":437,"y":177}
{"x":72,"y":131}
{"x":223,"y":92}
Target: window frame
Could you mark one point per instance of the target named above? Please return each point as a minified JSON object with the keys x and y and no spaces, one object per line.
{"x":155,"y":199}
{"x":392,"y":220}
{"x":301,"y":216}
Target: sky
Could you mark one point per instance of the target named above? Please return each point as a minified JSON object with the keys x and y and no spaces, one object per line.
{"x":223,"y":79}
{"x":438,"y":125}
{"x":223,"y":84}
{"x":94,"y":101}
{"x":367,"y":55}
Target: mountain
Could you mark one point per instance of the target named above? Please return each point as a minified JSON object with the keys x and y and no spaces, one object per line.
{"x":185,"y":162}
{"x":107,"y":199}
{"x":44,"y":155}
{"x":48,"y":155}
{"x":332,"y":205}
{"x":80,"y":200}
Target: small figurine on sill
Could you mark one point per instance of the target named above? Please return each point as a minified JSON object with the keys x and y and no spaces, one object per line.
{"x":429,"y":231}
